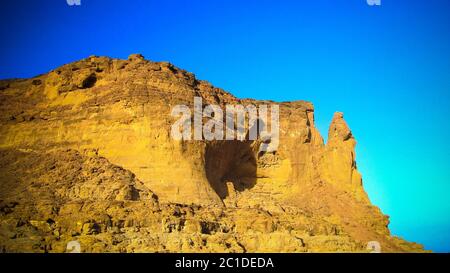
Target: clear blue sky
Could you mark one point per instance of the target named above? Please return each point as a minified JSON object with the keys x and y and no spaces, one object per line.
{"x":387,"y":68}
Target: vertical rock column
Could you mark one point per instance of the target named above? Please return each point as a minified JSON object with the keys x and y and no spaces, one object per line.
{"x":338,"y":164}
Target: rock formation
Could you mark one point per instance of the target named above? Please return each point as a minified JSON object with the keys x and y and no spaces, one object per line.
{"x":86,"y":155}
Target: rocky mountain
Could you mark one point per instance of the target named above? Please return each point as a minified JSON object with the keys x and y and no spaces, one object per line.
{"x":86,"y":154}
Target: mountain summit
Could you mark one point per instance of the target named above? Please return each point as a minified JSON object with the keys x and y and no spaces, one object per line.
{"x":86,"y":155}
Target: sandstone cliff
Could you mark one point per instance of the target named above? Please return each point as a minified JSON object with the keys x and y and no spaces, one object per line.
{"x":86,"y":155}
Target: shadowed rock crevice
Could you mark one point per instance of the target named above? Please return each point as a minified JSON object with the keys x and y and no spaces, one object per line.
{"x":230,"y":162}
{"x":89,"y":81}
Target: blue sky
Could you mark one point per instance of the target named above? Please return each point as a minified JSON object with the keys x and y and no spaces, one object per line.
{"x":386,"y":67}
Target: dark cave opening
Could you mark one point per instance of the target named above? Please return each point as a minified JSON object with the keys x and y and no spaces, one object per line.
{"x":89,"y":81}
{"x":230,"y":161}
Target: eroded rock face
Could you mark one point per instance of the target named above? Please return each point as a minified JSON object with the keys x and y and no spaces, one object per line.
{"x":86,"y":154}
{"x":338,"y":165}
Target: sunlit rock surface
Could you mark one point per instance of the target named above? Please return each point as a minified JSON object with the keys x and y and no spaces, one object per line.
{"x":86,"y":155}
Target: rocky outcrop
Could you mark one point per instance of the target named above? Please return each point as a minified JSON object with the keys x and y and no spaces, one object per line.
{"x":338,"y":165}
{"x":87,"y":155}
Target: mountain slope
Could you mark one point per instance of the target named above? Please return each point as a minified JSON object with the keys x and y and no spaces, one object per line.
{"x":86,"y":154}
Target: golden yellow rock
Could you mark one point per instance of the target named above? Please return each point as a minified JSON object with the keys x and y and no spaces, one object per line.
{"x":86,"y":155}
